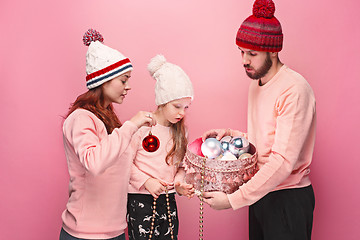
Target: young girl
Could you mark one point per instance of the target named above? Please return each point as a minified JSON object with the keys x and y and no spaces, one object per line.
{"x":94,"y":140}
{"x":152,"y":211}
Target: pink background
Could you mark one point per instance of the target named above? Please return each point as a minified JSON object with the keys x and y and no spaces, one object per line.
{"x":42,"y":69}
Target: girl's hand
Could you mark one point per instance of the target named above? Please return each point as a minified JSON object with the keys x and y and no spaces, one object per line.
{"x":143,"y":118}
{"x":185,"y":189}
{"x":155,"y":187}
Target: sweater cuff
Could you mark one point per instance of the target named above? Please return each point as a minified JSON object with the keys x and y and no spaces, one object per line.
{"x":131,"y":126}
{"x":235,"y":199}
{"x":180,"y":176}
{"x":139,"y":184}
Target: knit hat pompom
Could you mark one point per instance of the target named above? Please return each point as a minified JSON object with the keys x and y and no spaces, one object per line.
{"x":264,"y":9}
{"x":92,"y":35}
{"x":156,"y":63}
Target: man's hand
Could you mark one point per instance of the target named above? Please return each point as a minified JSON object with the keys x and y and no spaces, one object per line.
{"x":215,"y":133}
{"x":220,"y":133}
{"x":217,"y":200}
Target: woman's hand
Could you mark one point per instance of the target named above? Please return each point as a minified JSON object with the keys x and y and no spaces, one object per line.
{"x":143,"y":118}
{"x":155,"y":187}
{"x":185,"y":189}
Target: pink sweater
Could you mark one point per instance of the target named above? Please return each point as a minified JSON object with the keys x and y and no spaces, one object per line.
{"x":96,"y":208}
{"x":147,"y":164}
{"x":281,"y":124}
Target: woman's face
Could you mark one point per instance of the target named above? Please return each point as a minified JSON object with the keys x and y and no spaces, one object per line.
{"x":116,"y":89}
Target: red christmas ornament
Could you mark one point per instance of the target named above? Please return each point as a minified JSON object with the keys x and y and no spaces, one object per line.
{"x":151,"y":143}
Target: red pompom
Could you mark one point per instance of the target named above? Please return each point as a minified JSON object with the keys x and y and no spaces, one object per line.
{"x":92,"y":35}
{"x":264,"y":9}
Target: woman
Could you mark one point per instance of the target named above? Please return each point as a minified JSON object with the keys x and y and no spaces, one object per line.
{"x":94,"y":140}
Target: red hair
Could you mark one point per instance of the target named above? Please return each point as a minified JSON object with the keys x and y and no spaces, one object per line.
{"x":93,"y":101}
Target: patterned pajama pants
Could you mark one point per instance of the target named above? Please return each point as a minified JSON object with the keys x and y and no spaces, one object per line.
{"x":139,"y":217}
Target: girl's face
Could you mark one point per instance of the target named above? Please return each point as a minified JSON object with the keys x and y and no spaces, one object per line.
{"x":116,"y":89}
{"x":175,"y":110}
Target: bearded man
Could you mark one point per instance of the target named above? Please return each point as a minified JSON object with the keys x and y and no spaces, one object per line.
{"x":281,"y":125}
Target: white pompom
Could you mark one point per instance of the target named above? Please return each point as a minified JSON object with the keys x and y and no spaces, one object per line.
{"x":156,"y":63}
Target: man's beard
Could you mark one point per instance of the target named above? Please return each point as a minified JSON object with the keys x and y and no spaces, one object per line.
{"x":263,"y":70}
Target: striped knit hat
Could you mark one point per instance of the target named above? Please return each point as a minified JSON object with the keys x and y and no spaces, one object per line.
{"x":102,"y":62}
{"x":261,"y":31}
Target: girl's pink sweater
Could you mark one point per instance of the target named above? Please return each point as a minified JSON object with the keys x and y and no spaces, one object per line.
{"x":152,"y":164}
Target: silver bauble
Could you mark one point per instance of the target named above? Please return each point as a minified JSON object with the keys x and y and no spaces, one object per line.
{"x":211,"y":148}
{"x":225,"y":143}
{"x":239,"y":145}
{"x":245,"y":156}
{"x":228,"y":156}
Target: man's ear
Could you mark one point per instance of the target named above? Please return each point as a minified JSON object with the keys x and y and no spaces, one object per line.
{"x":274,"y":54}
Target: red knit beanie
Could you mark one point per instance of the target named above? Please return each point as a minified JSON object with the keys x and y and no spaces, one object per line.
{"x":261,"y":31}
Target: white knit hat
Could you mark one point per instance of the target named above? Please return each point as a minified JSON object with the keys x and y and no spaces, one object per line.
{"x":102,"y":62}
{"x":171,"y":81}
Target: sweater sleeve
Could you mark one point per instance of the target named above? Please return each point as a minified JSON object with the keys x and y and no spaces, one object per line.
{"x":96,"y":154}
{"x":137,"y":177}
{"x":295,"y":110}
{"x":180,"y":175}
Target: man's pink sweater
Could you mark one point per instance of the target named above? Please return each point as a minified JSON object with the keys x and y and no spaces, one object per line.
{"x":281,"y":124}
{"x":96,"y":208}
